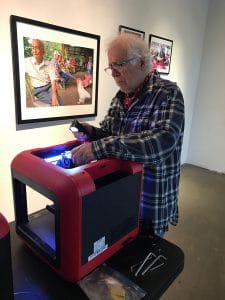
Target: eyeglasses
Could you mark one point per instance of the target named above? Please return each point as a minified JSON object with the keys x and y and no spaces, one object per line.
{"x":117,"y":66}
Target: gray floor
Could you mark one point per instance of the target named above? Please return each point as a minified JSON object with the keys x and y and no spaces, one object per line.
{"x":201,"y":235}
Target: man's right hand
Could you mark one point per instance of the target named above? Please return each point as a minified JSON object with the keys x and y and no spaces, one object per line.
{"x":55,"y":101}
{"x":83,"y":136}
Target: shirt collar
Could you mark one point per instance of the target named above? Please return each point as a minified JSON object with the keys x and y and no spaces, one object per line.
{"x":33,"y":60}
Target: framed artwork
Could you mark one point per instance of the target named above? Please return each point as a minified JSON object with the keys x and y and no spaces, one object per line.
{"x":131,"y":30}
{"x":55,"y":71}
{"x":161,"y":52}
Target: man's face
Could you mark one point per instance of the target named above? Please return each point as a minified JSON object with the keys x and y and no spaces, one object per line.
{"x":128,"y":76}
{"x":37,"y":50}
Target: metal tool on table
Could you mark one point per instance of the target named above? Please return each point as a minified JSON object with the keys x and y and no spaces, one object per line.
{"x":150,"y":263}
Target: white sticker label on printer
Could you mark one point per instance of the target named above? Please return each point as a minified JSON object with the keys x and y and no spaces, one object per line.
{"x":99,"y":247}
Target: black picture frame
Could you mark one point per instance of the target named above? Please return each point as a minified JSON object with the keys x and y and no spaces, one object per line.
{"x":126,"y":29}
{"x":161,"y":53}
{"x":77,"y":45}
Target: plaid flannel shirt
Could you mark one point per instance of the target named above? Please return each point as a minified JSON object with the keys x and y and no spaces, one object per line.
{"x":149,"y":132}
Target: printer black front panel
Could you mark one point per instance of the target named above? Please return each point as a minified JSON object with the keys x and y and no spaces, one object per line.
{"x":108,"y":214}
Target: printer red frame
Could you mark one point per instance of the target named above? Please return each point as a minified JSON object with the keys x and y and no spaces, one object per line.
{"x":68,"y":188}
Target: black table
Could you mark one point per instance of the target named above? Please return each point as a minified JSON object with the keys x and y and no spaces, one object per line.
{"x":33,"y":279}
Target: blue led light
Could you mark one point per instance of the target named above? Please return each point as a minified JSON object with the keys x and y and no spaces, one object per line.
{"x":63,"y":160}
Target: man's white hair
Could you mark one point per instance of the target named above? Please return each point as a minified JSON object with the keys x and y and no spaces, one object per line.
{"x":133,"y":45}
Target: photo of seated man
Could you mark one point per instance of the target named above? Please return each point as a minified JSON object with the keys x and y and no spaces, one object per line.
{"x":42,"y":77}
{"x":49,"y":79}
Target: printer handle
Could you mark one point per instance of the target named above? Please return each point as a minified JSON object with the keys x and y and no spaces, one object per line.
{"x":103,"y":167}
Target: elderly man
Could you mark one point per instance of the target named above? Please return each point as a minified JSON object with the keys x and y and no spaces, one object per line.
{"x":42,"y":76}
{"x":145,"y":123}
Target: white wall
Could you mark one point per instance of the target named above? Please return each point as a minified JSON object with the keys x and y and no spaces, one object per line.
{"x":207,"y":142}
{"x":180,"y":20}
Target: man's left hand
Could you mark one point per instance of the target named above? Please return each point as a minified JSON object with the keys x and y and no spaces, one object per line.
{"x":82,"y":154}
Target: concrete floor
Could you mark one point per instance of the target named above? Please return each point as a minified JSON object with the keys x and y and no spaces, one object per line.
{"x":201,"y":235}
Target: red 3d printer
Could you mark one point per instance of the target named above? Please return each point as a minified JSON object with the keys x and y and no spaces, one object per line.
{"x":92,"y":211}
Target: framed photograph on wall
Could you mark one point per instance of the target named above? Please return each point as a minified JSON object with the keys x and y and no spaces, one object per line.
{"x":131,"y":30}
{"x":55,"y":71}
{"x":161,"y":52}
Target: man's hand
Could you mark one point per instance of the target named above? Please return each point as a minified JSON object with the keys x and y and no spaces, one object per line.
{"x":82,"y":137}
{"x":55,"y":101}
{"x":82,"y":154}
